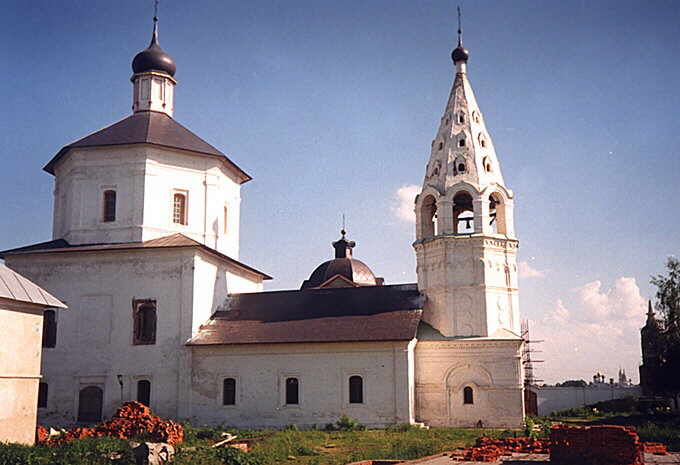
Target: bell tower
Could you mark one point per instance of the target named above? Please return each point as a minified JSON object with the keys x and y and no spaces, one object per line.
{"x":466,"y":248}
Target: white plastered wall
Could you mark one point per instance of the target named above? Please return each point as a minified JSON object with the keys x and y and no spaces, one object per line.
{"x":323,"y":371}
{"x":491,"y":368}
{"x":145,"y":179}
{"x":19,"y":370}
{"x":94,"y":336}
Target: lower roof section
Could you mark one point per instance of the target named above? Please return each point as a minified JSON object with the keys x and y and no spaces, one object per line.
{"x":173,"y":241}
{"x":348,"y":314}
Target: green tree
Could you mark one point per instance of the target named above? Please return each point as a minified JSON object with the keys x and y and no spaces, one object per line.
{"x":667,"y":373}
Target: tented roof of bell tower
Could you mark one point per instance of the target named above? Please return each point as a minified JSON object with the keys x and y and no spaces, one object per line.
{"x":463,"y":150}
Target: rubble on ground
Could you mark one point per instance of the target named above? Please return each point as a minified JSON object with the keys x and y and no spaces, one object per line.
{"x":490,"y":450}
{"x":132,"y":420}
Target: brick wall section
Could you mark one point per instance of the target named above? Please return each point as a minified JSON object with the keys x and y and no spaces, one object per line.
{"x":595,"y":445}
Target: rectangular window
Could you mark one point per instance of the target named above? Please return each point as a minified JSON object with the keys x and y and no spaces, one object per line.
{"x":42,"y":395}
{"x":229,"y":391}
{"x":144,"y":314}
{"x":49,"y":336}
{"x":179,"y":208}
{"x":292,"y":391}
{"x":109,"y":206}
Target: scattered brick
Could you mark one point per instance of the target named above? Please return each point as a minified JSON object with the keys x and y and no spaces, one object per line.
{"x":490,"y":450}
{"x":132,"y":420}
{"x":654,"y":448}
{"x":41,"y":434}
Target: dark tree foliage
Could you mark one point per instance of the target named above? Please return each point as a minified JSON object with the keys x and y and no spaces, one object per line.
{"x":667,"y":372}
{"x":573,"y":383}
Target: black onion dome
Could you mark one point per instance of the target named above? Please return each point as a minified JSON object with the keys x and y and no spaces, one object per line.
{"x":153,"y":58}
{"x":354,"y":270}
{"x":460,"y":54}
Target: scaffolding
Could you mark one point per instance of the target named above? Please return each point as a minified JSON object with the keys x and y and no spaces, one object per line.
{"x":527,"y":360}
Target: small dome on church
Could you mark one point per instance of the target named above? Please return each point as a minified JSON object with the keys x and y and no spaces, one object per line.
{"x":460,"y":54}
{"x":353,"y":270}
{"x":153,"y":58}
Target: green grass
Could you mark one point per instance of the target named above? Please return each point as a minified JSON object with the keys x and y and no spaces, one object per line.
{"x":316,"y":447}
{"x":289,"y":446}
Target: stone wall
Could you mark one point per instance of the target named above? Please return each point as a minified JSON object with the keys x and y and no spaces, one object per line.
{"x":553,"y":398}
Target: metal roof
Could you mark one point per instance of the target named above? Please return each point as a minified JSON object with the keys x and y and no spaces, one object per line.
{"x":173,"y":241}
{"x":15,"y":287}
{"x":350,"y":314}
{"x":148,"y":127}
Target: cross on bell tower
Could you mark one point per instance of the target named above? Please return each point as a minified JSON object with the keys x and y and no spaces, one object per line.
{"x":465,"y":238}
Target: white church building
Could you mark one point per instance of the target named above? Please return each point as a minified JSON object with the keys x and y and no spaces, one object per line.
{"x":145,"y":253}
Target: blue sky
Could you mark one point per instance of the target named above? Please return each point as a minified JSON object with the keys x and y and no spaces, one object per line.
{"x":331,"y":107}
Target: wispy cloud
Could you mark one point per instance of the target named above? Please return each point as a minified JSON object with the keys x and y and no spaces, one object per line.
{"x":598,"y":330}
{"x":404,"y":199}
{"x":528,"y":271}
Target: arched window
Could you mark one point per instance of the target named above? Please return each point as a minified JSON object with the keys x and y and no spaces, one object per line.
{"x":229,"y":391}
{"x":145,"y":322}
{"x":42,"y":395}
{"x":144,"y":392}
{"x":292,"y":391}
{"x":90,"y":401}
{"x":497,"y":214}
{"x":461,"y":142}
{"x":226,"y":220}
{"x":441,"y":145}
{"x":356,"y":390}
{"x":49,"y":336}
{"x":179,"y":209}
{"x":461,"y":118}
{"x":468,"y":395}
{"x":109,"y":210}
{"x":486,"y":161}
{"x":463,"y":213}
{"x":428,"y":217}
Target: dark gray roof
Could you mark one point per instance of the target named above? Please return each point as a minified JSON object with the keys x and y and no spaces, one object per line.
{"x":349,"y":314}
{"x":173,"y":241}
{"x":148,"y":127}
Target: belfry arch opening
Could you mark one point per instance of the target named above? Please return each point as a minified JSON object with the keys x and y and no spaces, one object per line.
{"x":463,"y":214}
{"x":497,"y":214}
{"x":428,"y":217}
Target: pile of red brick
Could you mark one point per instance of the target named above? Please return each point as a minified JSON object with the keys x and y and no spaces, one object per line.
{"x":132,"y":420}
{"x":595,"y":445}
{"x":490,"y":450}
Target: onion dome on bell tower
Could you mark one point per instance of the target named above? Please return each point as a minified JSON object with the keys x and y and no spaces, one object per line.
{"x":153,"y":77}
{"x":460,"y":55}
